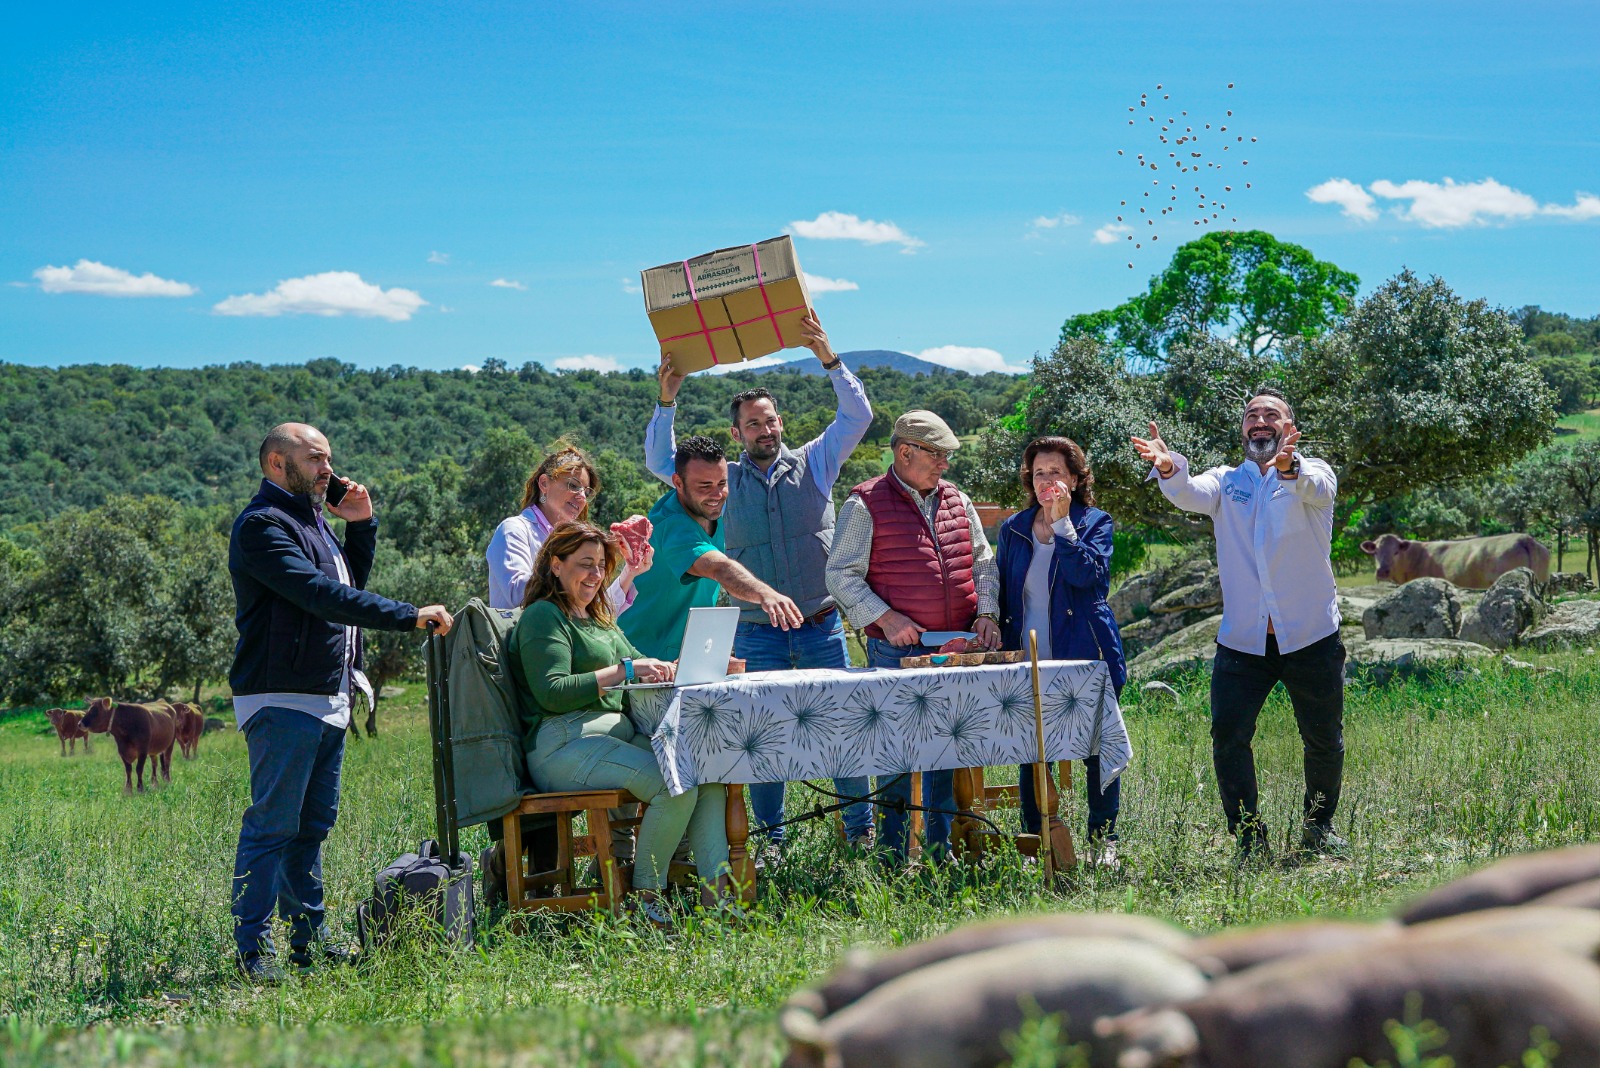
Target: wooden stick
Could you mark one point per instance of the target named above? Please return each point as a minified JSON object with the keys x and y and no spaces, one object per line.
{"x":1041,"y":770}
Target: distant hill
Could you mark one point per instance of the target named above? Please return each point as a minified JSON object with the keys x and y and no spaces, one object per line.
{"x":903,"y":362}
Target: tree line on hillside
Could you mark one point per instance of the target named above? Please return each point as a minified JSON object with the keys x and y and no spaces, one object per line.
{"x":113,"y":560}
{"x":76,"y":436}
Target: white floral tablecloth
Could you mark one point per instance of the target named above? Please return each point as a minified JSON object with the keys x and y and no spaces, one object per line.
{"x":779,"y":726}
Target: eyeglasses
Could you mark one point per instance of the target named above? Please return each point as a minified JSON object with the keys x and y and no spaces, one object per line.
{"x":937,"y":454}
{"x":578,"y":489}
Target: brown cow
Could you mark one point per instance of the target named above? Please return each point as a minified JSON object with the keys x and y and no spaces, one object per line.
{"x":69,"y":728}
{"x":1473,"y":563}
{"x":140,"y":731}
{"x":191,"y":724}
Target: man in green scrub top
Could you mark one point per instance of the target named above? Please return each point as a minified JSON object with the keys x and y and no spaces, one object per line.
{"x":690,"y":561}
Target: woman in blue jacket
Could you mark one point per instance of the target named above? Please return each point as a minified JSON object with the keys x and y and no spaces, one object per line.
{"x":1055,"y":572}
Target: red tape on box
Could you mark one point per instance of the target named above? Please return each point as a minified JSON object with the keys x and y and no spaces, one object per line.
{"x":707,"y":330}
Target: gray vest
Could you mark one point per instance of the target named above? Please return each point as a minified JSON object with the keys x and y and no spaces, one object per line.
{"x":781,"y":530}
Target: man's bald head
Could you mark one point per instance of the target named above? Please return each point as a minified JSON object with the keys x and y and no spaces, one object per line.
{"x":296,"y":457}
{"x":284,"y":438}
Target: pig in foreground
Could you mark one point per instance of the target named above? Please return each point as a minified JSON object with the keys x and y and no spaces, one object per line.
{"x":958,"y":1012}
{"x":1248,"y":947}
{"x":1577,"y":896}
{"x":1512,"y":881}
{"x":1325,"y":1010}
{"x":1569,"y":930}
{"x":863,"y":971}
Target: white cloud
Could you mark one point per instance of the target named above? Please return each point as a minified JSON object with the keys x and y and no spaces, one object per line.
{"x":87,"y":276}
{"x":1107,"y":234}
{"x":588,"y":362}
{"x":1587,"y":206}
{"x":1355,"y":202}
{"x":329,"y":293}
{"x":1449,"y":204}
{"x":507,"y":283}
{"x":973,"y":360}
{"x":815,"y":283}
{"x":471,"y":368}
{"x":631,"y":285}
{"x":750,"y":365}
{"x":438,"y":257}
{"x":1050,"y":222}
{"x":838,"y":226}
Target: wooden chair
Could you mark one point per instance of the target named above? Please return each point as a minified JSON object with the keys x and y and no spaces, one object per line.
{"x":558,"y":889}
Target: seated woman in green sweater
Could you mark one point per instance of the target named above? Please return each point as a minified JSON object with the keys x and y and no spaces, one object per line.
{"x":566,"y":654}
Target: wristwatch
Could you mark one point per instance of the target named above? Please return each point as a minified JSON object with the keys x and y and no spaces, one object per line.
{"x":837,"y":362}
{"x":1294,"y":468}
{"x":666,"y":403}
{"x":627,"y":670}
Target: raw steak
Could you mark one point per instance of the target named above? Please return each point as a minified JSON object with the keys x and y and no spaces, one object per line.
{"x":635,"y":533}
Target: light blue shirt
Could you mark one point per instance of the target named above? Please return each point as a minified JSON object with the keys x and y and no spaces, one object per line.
{"x":825,"y":454}
{"x":1273,"y":541}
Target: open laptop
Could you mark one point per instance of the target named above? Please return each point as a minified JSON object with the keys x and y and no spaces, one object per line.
{"x":703,"y":657}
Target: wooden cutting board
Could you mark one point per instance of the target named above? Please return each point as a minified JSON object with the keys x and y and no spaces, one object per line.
{"x":1013,"y":656}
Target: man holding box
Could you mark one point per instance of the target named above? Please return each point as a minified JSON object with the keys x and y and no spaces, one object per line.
{"x":778,"y":523}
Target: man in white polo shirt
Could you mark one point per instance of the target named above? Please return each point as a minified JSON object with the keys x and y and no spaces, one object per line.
{"x":1273,"y":520}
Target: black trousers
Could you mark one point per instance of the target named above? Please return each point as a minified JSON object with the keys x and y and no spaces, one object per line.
{"x":1240,"y":683}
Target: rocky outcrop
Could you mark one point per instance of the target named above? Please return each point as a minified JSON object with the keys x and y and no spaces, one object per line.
{"x":1138,"y":594}
{"x":1568,"y":582}
{"x":1196,"y":596}
{"x":1507,"y":608}
{"x":1415,"y":652}
{"x":1569,"y":624}
{"x":1422,"y":608}
{"x":1352,"y":606}
{"x":1191,"y":648}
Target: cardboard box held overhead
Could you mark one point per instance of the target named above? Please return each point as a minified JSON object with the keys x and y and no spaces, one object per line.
{"x":727,"y":306}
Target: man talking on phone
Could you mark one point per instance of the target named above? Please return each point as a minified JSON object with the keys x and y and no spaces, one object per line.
{"x":300,"y":603}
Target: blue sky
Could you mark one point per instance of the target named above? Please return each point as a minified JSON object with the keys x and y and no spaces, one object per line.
{"x":351,"y":180}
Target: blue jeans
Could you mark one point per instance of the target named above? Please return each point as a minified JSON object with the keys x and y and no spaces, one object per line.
{"x":764,"y":647}
{"x":938,"y":787}
{"x":295,"y":760}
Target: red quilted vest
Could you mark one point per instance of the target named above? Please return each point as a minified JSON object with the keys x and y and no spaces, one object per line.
{"x":927,"y":580}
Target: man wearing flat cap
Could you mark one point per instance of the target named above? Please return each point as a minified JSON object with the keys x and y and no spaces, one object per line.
{"x":909,"y":556}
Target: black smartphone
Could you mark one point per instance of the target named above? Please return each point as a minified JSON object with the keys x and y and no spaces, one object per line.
{"x":337,"y":488}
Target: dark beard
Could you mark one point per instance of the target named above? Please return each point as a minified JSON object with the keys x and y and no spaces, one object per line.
{"x":1261,"y":450}
{"x":762,"y":455}
{"x":300,"y":482}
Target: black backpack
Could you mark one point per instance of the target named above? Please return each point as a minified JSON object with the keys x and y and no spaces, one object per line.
{"x":435,"y":882}
{"x":423,"y":883}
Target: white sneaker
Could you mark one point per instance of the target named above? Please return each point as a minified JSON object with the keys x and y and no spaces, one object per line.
{"x":1103,"y":854}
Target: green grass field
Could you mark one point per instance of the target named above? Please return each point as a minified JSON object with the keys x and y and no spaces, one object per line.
{"x":1587,"y":424}
{"x":114,"y":927}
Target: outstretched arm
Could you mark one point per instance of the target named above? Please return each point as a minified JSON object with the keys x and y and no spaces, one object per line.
{"x":827,"y":452}
{"x":1191,"y":493}
{"x":739,"y":582}
{"x":660,"y":439}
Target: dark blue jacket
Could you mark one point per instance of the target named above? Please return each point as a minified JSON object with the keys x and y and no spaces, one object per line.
{"x":291,"y":608}
{"x":1081,"y":624}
